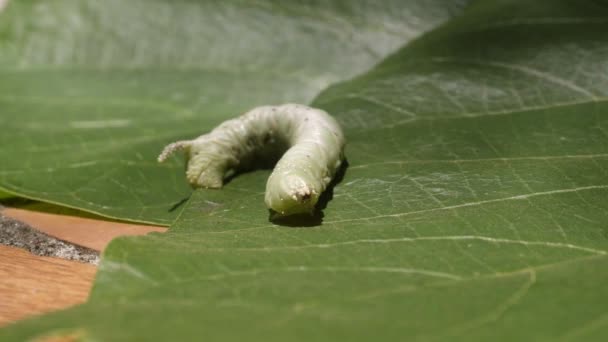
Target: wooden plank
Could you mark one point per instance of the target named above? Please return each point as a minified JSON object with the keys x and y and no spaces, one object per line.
{"x":32,"y":285}
{"x":87,"y":232}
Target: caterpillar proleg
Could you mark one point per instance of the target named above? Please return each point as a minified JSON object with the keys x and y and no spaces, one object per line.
{"x":310,"y":141}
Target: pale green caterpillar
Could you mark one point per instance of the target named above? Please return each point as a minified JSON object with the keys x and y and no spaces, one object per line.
{"x":310,"y":141}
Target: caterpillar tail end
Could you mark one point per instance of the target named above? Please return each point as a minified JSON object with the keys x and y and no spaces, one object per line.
{"x":172,"y":148}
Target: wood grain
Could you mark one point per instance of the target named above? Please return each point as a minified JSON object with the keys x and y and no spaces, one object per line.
{"x":31,"y":285}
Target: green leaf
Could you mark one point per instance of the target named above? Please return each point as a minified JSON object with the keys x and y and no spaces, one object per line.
{"x":473,"y":208}
{"x":99,"y":88}
{"x":4,"y":195}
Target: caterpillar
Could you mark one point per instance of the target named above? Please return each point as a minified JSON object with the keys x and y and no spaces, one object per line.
{"x":309,"y":142}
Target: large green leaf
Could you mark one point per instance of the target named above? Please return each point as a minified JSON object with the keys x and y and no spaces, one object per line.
{"x":474,"y":207}
{"x":90,"y":91}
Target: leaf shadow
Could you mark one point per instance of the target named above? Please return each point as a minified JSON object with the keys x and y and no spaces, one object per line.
{"x":179,"y":203}
{"x":316,"y":218}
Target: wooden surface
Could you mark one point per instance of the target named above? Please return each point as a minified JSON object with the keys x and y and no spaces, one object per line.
{"x":31,"y":285}
{"x":87,"y":232}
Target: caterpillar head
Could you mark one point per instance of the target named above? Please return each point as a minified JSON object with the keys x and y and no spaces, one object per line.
{"x":291,"y":194}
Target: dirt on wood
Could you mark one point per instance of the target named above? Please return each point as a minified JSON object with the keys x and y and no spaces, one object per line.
{"x":18,"y":234}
